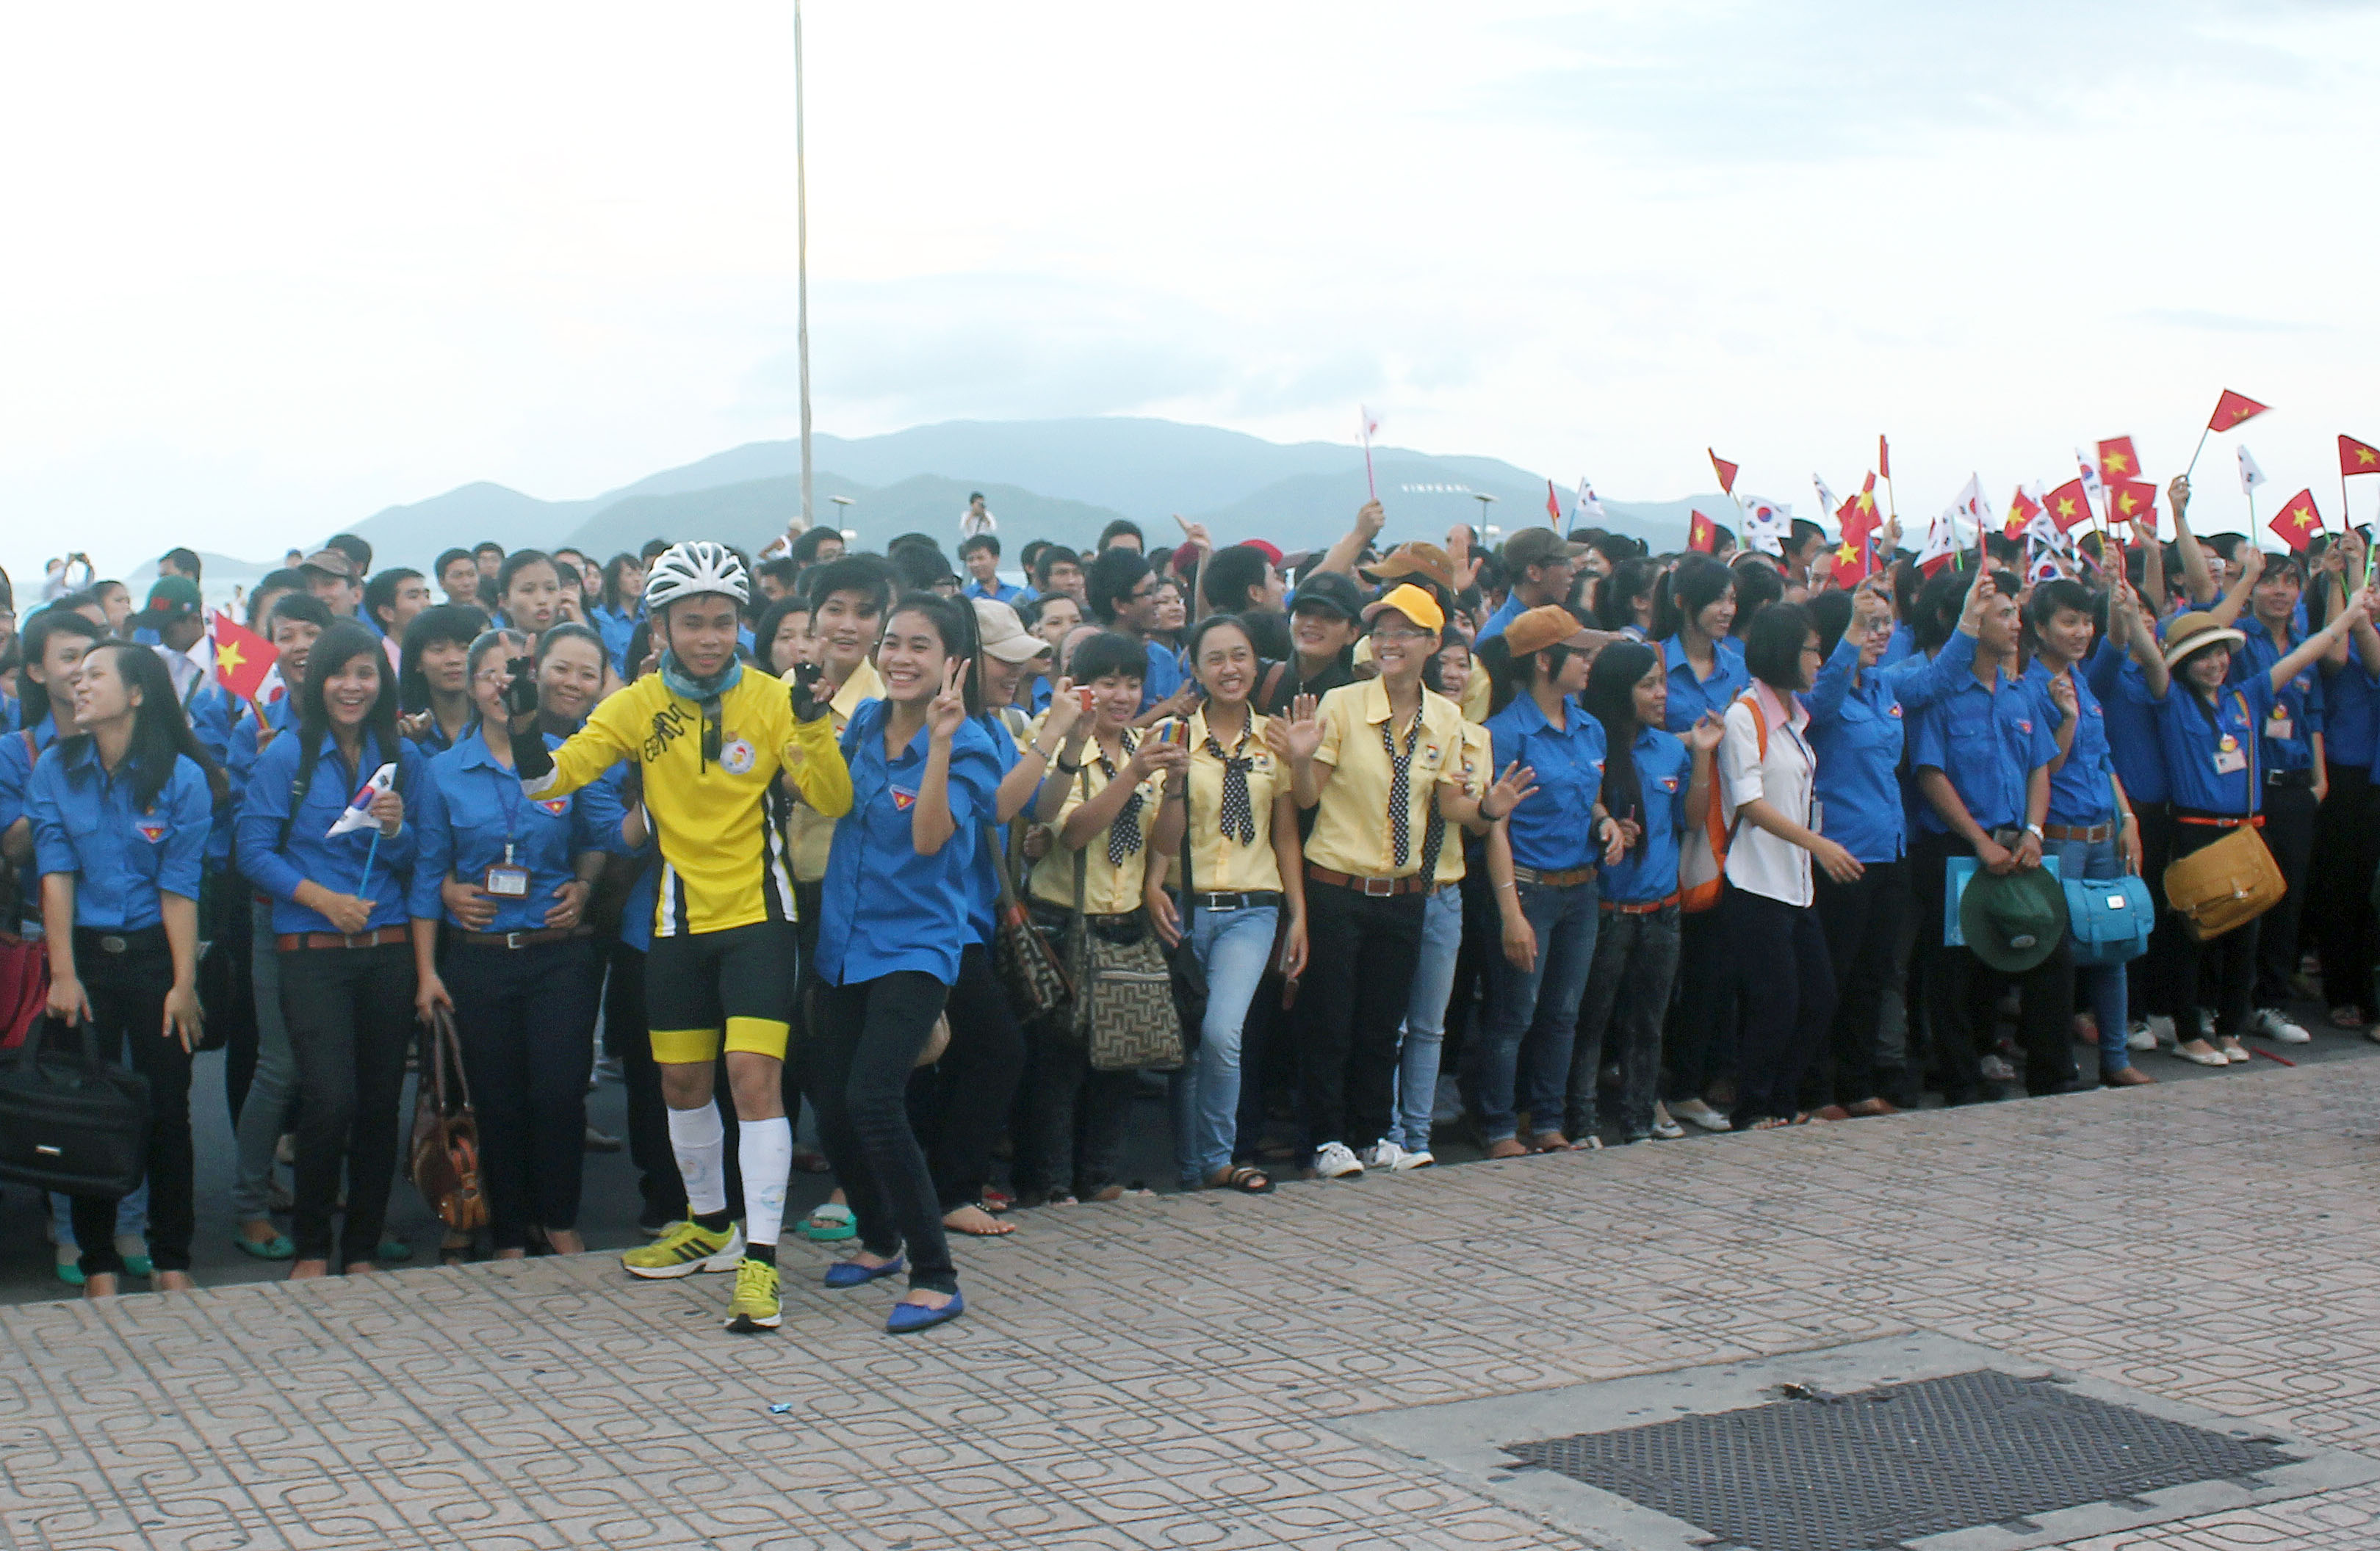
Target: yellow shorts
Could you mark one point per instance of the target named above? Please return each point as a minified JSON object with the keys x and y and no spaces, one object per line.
{"x":760,"y":1037}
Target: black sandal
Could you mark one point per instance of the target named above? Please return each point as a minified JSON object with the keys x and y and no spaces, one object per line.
{"x":1246,"y":1177}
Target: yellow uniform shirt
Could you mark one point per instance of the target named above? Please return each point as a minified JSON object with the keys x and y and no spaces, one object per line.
{"x":1221,"y":863}
{"x":1353,"y":834}
{"x":1111,"y":887}
{"x":811,"y":829}
{"x":1478,"y":756}
{"x":714,"y":812}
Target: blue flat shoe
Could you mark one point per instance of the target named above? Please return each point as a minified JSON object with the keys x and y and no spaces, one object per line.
{"x":851,"y":1273}
{"x":278,"y":1247}
{"x":908,"y":1318}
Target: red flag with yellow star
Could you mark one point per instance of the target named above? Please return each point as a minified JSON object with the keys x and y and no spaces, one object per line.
{"x":1724,"y":470}
{"x":1852,"y":563}
{"x":2118,"y":461}
{"x":2132,"y":501}
{"x":2022,"y":509}
{"x":1702,"y":534}
{"x":1859,"y":517}
{"x":243,"y":657}
{"x":2068,"y":504}
{"x":2232,"y":409}
{"x":2298,"y":522}
{"x":2357,"y":458}
{"x":1883,"y":458}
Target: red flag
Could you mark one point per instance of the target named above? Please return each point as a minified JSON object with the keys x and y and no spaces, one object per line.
{"x":243,"y":657}
{"x":1882,"y":458}
{"x":2069,"y":505}
{"x":2132,"y":501}
{"x":2298,"y":522}
{"x":1702,"y":534}
{"x":1726,"y":472}
{"x":1858,"y":515}
{"x":2232,"y":409}
{"x":2022,"y":509}
{"x":2118,"y":461}
{"x":1553,"y":507}
{"x":2357,"y":458}
{"x":1851,"y":563}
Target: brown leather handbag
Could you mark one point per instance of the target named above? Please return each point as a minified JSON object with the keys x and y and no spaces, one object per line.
{"x":444,"y":1165}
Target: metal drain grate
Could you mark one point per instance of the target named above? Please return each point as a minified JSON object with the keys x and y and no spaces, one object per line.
{"x":1884,"y":1466}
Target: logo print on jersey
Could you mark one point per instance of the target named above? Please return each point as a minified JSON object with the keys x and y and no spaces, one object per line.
{"x":902,"y":798}
{"x":735,"y":756}
{"x":668,"y":722}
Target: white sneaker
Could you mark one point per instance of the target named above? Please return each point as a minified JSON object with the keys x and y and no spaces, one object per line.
{"x":1332,"y":1161}
{"x":1995,"y":1069}
{"x":2160,"y":1029}
{"x":2274,"y":1025}
{"x":1383,"y":1155}
{"x":1408,"y":1161}
{"x":2142,"y":1036}
{"x":1695,"y":1112}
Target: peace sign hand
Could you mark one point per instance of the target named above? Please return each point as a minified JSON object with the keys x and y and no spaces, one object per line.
{"x":947,"y":709}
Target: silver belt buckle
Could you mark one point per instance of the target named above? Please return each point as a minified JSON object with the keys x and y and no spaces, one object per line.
{"x":356,"y":940}
{"x":113,"y":944}
{"x":512,"y":939}
{"x":1379,"y":887}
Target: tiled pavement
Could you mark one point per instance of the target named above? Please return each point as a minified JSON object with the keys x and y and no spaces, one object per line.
{"x":1158,"y":1373}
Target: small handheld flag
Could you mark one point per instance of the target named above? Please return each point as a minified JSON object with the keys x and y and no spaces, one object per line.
{"x":2298,"y":522}
{"x":2250,"y":475}
{"x":1371,"y":423}
{"x":358,"y":810}
{"x":1764,"y":525}
{"x":1702,"y":534}
{"x":2070,"y":504}
{"x":2230,"y":410}
{"x":243,"y":657}
{"x":2118,"y":461}
{"x":2022,"y":509}
{"x":1553,"y":507}
{"x":1589,"y":510}
{"x":1724,"y":470}
{"x":2358,"y":457}
{"x":2133,"y":501}
{"x":1883,"y":459}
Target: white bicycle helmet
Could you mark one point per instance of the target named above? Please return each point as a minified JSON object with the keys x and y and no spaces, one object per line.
{"x":692,"y":568}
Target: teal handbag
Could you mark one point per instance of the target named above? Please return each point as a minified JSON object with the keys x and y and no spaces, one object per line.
{"x":2109,"y":918}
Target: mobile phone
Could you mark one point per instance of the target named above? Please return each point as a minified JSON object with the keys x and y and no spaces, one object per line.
{"x":1177,"y":732}
{"x":1083,"y":697}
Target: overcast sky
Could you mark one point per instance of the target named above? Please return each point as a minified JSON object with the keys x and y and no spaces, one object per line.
{"x":271,"y":267}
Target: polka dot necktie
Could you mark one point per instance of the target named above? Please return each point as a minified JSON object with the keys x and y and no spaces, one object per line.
{"x":1239,"y":818}
{"x":1401,"y":788}
{"x":1123,"y":835}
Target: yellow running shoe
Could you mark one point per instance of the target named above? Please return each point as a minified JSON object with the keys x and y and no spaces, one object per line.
{"x":686,"y":1248}
{"x":754,"y":1308}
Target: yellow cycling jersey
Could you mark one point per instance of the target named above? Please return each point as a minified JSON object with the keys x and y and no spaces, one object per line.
{"x":711,"y":792}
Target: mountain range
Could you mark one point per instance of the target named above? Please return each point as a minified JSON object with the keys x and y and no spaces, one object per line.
{"x":1063,"y":480}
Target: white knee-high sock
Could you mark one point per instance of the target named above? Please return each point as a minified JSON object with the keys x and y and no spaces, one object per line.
{"x":765,"y":1153}
{"x":699,"y":1140}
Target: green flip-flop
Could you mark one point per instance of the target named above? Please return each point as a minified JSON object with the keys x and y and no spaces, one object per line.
{"x":829,"y":1223}
{"x":278,"y":1247}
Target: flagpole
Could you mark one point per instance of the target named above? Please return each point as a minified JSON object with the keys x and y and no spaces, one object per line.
{"x":802,"y":261}
{"x":2195,"y":451}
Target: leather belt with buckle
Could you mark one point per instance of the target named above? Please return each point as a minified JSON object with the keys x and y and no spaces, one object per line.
{"x":1372,"y":888}
{"x":1256,"y":899}
{"x":2081,"y":834}
{"x":1565,"y":878}
{"x":1649,"y":907}
{"x":514,"y":939}
{"x":290,"y":942}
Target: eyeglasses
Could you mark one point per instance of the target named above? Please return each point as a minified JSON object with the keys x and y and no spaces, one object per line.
{"x":1398,"y":638}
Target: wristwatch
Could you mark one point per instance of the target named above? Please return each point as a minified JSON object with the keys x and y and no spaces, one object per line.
{"x":2035,"y":830}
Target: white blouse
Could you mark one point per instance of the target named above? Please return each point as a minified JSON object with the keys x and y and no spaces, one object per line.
{"x":1758,"y":862}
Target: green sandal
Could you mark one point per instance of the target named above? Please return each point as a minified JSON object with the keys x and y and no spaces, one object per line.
{"x":831,"y":1223}
{"x":278,"y":1247}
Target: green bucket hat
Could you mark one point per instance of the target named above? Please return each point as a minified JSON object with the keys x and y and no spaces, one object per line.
{"x":2014,"y":920}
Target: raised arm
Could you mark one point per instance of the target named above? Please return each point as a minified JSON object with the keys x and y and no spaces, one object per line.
{"x":2194,"y":574}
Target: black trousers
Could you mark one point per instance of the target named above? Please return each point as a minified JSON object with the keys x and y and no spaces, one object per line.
{"x":227,"y":980}
{"x":1785,"y":1026}
{"x":1962,"y":996}
{"x":868,"y":1038}
{"x":127,"y":1009}
{"x":1861,"y":920}
{"x":2289,"y":819}
{"x":2222,"y":972}
{"x":526,"y":1017}
{"x":350,"y":1016}
{"x":1361,"y":950}
{"x":963,"y":1102}
{"x":807,"y":907}
{"x":1699,"y":1048}
{"x":2346,"y":856}
{"x":2153,"y":981}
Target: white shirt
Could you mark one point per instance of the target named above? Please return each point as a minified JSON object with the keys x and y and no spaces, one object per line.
{"x":1758,"y":862}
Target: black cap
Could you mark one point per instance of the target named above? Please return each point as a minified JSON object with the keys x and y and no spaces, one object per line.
{"x":1334,"y":590}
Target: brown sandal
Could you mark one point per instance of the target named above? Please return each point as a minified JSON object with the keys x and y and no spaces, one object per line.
{"x":1508,"y":1147}
{"x":1244,"y":1178}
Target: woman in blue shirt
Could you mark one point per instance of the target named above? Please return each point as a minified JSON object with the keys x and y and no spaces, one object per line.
{"x":520,"y":975}
{"x":120,"y":814}
{"x":2209,"y":724}
{"x":615,"y":616}
{"x":1705,"y":661}
{"x":2347,"y":831}
{"x":339,"y":925}
{"x":2089,"y":827}
{"x":894,"y":924}
{"x":1652,"y":781}
{"x":1522,"y":1058}
{"x":431,"y":686}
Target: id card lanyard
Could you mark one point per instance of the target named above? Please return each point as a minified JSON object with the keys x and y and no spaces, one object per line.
{"x":508,"y":879}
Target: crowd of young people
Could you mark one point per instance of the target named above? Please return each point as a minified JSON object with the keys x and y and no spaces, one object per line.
{"x":1563,"y":845}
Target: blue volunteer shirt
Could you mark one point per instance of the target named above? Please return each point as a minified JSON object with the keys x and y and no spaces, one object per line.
{"x":1691,"y":697}
{"x":12,"y":713}
{"x":2195,"y":735}
{"x":1901,"y":642}
{"x":1664,"y":774}
{"x":336,"y":862}
{"x":2297,"y":711}
{"x":2351,"y":715}
{"x":2132,"y":748}
{"x":473,"y":811}
{"x":19,"y":753}
{"x":122,"y":859}
{"x":2080,"y":793}
{"x":1164,"y":675}
{"x":983,"y":883}
{"x":615,"y":626}
{"x":1553,"y":830}
{"x":884,"y":907}
{"x":1510,"y":610}
{"x":1988,"y":742}
{"x":1858,"y":728}
{"x":997,"y":591}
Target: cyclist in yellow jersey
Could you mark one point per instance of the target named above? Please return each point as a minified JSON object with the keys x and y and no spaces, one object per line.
{"x":722,"y":749}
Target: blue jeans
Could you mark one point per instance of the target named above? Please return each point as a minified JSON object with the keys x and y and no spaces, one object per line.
{"x":2104,"y":985}
{"x":272,"y":1092}
{"x":1522,"y":1055}
{"x":1441,"y":941}
{"x":1234,"y":947}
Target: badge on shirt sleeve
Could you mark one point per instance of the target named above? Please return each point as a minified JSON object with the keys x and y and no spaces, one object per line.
{"x":735,"y":756}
